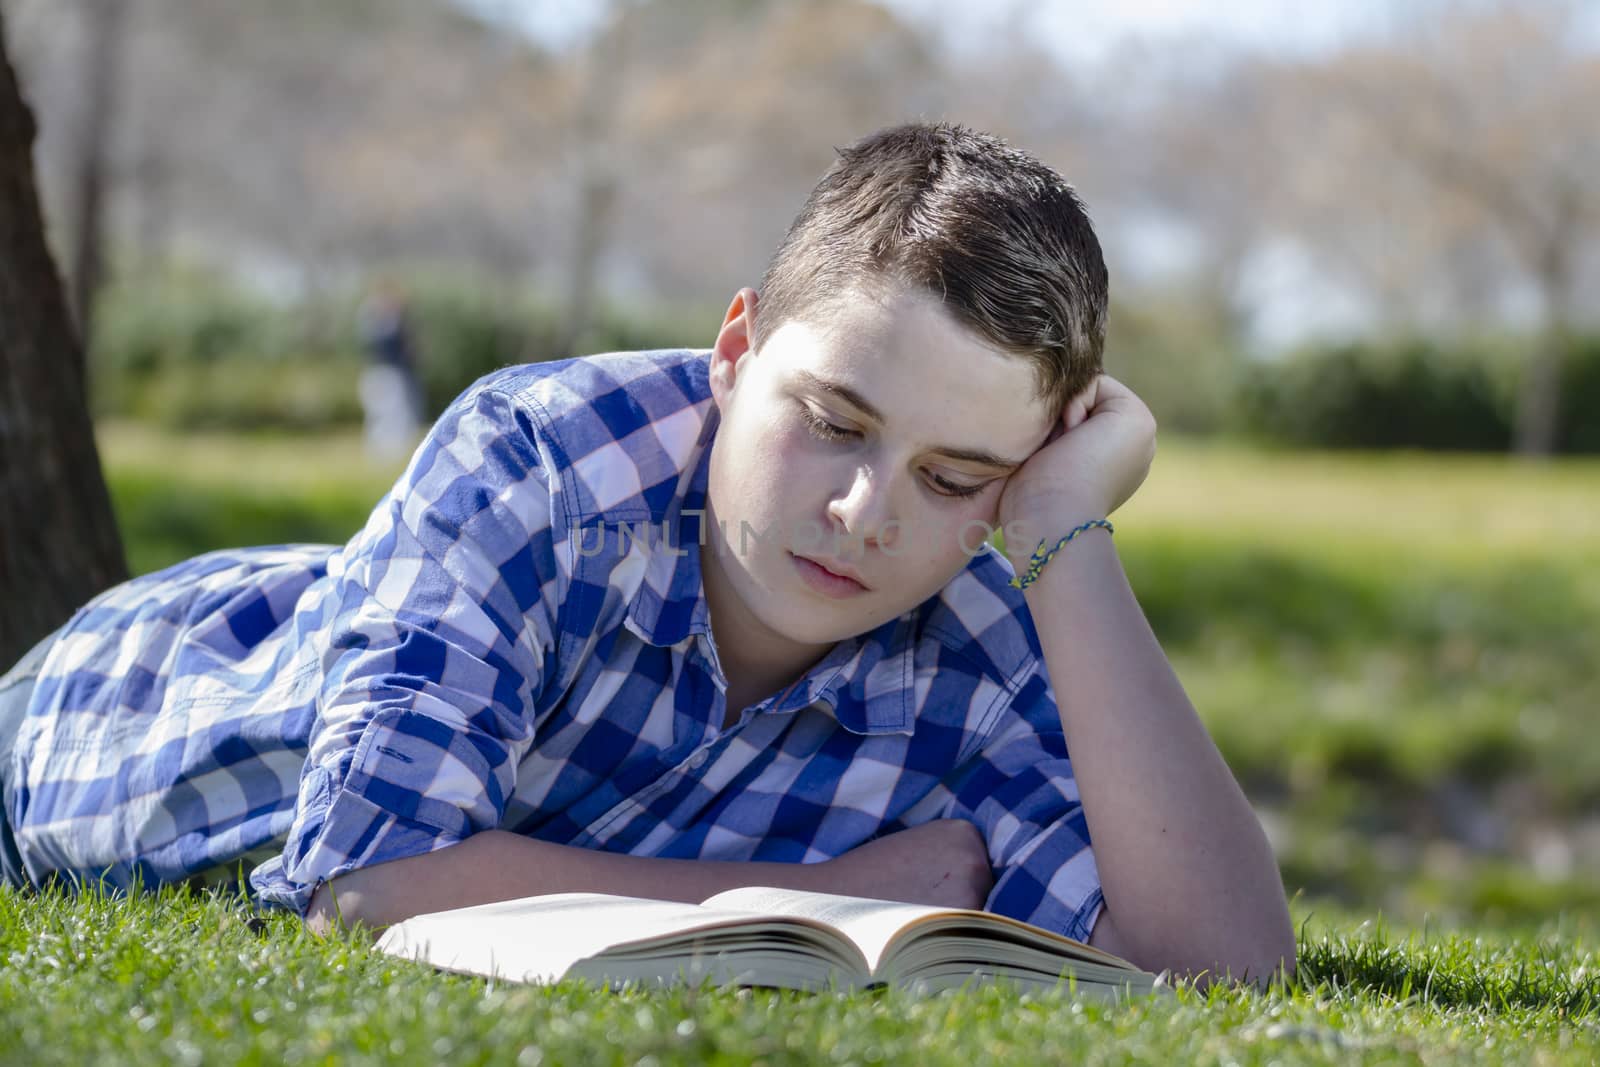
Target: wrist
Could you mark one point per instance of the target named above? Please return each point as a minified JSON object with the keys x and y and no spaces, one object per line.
{"x":1093,"y":551}
{"x":837,"y":874}
{"x":1024,"y":534}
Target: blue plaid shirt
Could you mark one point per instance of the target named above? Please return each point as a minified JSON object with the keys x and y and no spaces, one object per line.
{"x":477,"y":657}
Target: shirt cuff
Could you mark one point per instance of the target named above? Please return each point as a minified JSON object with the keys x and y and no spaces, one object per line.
{"x":367,"y":834}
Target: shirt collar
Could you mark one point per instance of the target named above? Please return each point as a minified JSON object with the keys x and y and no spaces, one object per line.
{"x":670,"y":604}
{"x":865,"y":680}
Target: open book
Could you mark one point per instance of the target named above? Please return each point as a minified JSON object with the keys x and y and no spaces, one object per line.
{"x":757,"y":936}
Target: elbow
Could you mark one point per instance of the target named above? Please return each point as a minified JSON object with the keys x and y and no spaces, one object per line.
{"x":1287,"y":956}
{"x":1263,"y":960}
{"x":324,"y":914}
{"x":1265,"y":949}
{"x":1258,"y":958}
{"x":370,"y":899}
{"x":1277,"y":954}
{"x":1273,"y":962}
{"x":339,"y":906}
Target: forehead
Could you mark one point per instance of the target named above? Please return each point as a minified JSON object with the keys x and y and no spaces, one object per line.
{"x":928,"y":375}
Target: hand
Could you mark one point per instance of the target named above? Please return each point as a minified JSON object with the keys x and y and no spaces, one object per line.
{"x":944,"y":863}
{"x":1095,"y":458}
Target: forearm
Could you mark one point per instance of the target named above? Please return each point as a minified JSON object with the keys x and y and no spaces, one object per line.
{"x":500,"y":865}
{"x":1184,"y":865}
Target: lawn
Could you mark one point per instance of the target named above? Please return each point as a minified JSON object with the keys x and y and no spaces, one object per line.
{"x":190,"y":978}
{"x":1394,"y":652}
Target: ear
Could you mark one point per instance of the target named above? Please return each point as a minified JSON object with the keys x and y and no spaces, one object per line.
{"x":735,"y":343}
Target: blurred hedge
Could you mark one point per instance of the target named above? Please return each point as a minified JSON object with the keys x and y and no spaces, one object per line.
{"x":192,"y":353}
{"x":1412,"y":393}
{"x":1180,"y":352}
{"x":189,"y":352}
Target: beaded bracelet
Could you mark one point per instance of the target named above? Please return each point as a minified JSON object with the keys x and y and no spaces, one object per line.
{"x":1040,"y":557}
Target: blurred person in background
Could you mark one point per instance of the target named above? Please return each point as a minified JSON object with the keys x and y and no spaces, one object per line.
{"x":390,"y":397}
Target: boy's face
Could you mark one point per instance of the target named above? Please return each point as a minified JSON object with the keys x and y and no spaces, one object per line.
{"x":852,"y":438}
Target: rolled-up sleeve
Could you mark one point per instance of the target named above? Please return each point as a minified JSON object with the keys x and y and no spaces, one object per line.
{"x":443,"y":623}
{"x":1019,"y":790}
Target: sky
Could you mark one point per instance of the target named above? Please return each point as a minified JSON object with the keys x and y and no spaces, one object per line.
{"x":1077,"y":30}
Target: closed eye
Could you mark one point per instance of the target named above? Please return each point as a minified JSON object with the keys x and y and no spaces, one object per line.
{"x":827,"y":431}
{"x":952,"y":489}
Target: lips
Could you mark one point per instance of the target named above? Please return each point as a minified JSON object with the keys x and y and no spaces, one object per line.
{"x":838,"y":569}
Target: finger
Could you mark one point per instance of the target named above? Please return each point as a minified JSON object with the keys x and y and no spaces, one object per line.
{"x":1114,"y":396}
{"x":1110,"y":389}
{"x":1077,"y":411}
{"x":1079,"y":407}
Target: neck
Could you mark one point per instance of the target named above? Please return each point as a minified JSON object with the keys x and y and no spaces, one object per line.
{"x":756,"y":660}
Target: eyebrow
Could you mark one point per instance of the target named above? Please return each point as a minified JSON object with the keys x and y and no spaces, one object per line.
{"x":856,"y":400}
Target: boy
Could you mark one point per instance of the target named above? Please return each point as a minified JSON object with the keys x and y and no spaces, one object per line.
{"x":663,"y":623}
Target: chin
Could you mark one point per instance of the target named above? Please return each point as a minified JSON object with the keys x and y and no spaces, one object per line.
{"x":819,"y":626}
{"x":806,"y":628}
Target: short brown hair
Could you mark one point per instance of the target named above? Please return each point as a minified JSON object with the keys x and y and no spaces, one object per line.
{"x":999,"y":237}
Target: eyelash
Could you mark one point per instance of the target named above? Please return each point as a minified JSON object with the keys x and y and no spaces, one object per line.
{"x":829,"y":432}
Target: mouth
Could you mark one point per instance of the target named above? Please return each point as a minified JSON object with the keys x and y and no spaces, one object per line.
{"x":833,"y":578}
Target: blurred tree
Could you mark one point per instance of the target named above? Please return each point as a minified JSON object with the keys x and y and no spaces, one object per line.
{"x":1458,"y":152}
{"x":1500,"y":124}
{"x":1432,"y":182}
{"x":604,"y":63}
{"x":59,"y":544}
{"x":306,"y":139}
{"x":104,"y":23}
{"x":1179,"y":351}
{"x":1187,"y":146}
{"x":338,"y":136}
{"x":737,"y":108}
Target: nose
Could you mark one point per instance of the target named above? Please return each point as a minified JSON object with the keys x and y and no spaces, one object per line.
{"x":866,"y":512}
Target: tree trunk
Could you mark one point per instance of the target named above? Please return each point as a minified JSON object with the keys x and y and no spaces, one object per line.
{"x":104,"y":25}
{"x":606,"y":65}
{"x":58,"y":538}
{"x":1539,"y":397}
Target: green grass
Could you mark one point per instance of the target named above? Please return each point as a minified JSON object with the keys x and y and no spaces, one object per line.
{"x":179,"y":495}
{"x":1395,"y":653}
{"x":187,"y":977}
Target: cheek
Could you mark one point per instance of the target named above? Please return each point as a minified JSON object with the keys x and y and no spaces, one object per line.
{"x":791,"y":459}
{"x":770,"y":464}
{"x":949,"y":537}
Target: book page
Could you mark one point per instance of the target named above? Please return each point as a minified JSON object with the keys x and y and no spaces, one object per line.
{"x":539,"y":939}
{"x":879,"y":927}
{"x":871,"y":924}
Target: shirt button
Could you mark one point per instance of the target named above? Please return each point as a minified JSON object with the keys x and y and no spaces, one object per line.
{"x":698,"y":760}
